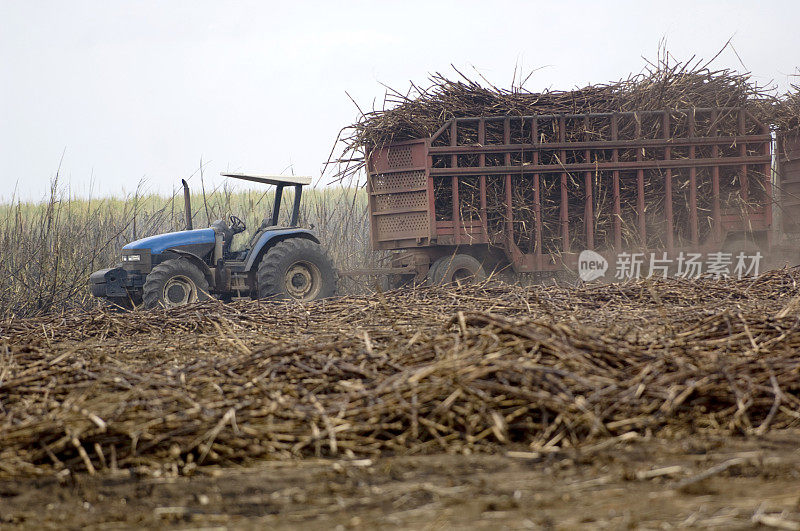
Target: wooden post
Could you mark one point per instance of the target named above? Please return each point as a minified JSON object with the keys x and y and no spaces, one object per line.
{"x":454,"y":185}
{"x":537,"y":200}
{"x":668,"y":187}
{"x":693,"y":185}
{"x":562,"y":137}
{"x":482,"y":178}
{"x":615,"y":185}
{"x":509,"y":196}
{"x":588,"y":214}
{"x":715,"y":208}
{"x":640,"y":186}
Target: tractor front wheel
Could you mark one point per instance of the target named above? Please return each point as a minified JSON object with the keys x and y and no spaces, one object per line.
{"x":296,"y":269}
{"x":174,"y":283}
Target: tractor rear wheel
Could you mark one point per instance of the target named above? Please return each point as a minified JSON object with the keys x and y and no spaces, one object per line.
{"x":296,"y":268}
{"x":459,"y":269}
{"x":173,"y":283}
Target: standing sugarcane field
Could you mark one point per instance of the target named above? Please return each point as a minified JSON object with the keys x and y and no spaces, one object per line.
{"x":252,"y":277}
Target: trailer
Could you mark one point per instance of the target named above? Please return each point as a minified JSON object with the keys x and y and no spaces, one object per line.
{"x":529,"y":194}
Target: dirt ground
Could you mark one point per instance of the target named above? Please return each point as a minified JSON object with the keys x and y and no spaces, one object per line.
{"x":729,"y":483}
{"x":711,"y":440}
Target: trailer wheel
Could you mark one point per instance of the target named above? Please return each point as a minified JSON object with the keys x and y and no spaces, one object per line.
{"x":459,"y":269}
{"x":173,"y":283}
{"x":296,"y":268}
{"x":432,"y":270}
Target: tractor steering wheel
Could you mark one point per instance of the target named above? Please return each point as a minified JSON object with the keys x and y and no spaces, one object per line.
{"x":237,"y":225}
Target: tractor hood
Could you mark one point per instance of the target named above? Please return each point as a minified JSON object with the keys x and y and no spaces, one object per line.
{"x":198,"y":239}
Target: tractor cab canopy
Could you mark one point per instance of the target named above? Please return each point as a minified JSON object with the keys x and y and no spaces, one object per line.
{"x":279,"y":181}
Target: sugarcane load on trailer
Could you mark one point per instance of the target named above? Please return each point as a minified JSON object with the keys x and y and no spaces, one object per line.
{"x":176,"y":268}
{"x":529,"y":193}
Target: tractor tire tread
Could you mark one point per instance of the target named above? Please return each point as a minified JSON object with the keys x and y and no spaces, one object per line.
{"x":158,"y":276}
{"x":271,"y":269}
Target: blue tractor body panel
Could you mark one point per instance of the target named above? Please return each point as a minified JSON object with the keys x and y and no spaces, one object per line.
{"x":271,"y":235}
{"x":163,"y":242}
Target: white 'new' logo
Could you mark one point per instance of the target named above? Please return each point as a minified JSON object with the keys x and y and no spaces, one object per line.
{"x":591,"y":266}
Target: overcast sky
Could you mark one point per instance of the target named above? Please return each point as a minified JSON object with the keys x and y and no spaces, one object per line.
{"x":128,"y":91}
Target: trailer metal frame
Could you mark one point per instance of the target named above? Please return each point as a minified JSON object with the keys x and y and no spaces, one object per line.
{"x":403,"y":180}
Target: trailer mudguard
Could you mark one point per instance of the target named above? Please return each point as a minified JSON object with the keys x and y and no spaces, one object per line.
{"x":270,"y":238}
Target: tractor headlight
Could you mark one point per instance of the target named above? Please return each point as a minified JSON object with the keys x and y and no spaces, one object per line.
{"x":132,"y":258}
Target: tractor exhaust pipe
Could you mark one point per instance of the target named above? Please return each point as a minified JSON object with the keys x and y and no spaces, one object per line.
{"x":187,"y":201}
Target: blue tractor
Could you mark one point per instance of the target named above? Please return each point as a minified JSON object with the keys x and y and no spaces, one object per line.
{"x":166,"y":270}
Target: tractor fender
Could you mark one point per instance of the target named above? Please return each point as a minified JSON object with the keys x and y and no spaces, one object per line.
{"x":196,"y":260}
{"x":270,"y":238}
